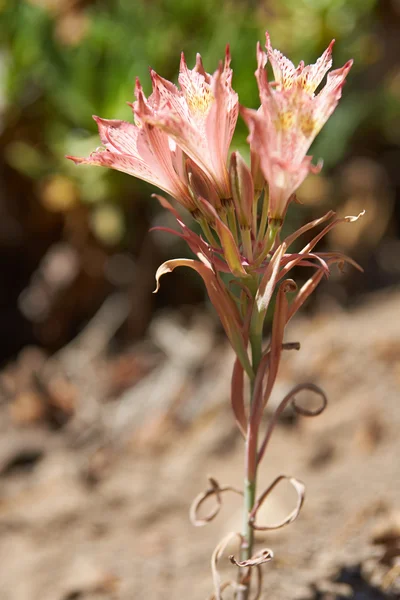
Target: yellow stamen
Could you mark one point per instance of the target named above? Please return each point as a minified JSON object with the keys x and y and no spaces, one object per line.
{"x":199,"y":101}
{"x":285,"y":120}
{"x":307,"y":125}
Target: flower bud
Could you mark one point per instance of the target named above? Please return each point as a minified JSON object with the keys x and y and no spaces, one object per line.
{"x":258,"y":177}
{"x":200,"y":186}
{"x":242,"y":189}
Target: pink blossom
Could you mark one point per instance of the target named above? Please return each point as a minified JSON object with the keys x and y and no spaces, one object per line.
{"x":290,"y":117}
{"x":197,"y":121}
{"x":143,"y":151}
{"x":201,"y":116}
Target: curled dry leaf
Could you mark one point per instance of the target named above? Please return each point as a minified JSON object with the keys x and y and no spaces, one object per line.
{"x":259,"y":582}
{"x":213,"y":490}
{"x":262,"y":372}
{"x":241,"y":586}
{"x":300,"y":489}
{"x":265,"y":555}
{"x":350,"y":219}
{"x":305,"y":412}
{"x":309,"y":412}
{"x":257,"y":595}
{"x":224,"y":586}
{"x":216,"y":555}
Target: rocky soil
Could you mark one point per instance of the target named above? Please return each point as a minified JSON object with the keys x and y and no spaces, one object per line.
{"x":101,"y":455}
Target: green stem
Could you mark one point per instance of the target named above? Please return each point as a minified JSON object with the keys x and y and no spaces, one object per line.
{"x":207,"y":232}
{"x":232,"y":223}
{"x":247,"y":245}
{"x":256,"y":352}
{"x":250,"y":478}
{"x":271,"y":233}
{"x":246,"y":549}
{"x":257,"y":194}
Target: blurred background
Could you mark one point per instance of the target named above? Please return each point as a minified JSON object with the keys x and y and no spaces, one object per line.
{"x":69,"y":236}
{"x":82,"y":338}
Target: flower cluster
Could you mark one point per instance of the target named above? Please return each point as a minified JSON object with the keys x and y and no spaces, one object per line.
{"x":180,"y":142}
{"x":290,"y":117}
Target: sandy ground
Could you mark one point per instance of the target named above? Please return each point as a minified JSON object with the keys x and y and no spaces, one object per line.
{"x":101,"y":457}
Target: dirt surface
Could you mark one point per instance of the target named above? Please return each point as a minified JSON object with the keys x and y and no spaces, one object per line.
{"x":101,"y":456}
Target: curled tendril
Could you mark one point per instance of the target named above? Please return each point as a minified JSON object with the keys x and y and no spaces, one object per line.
{"x":300,"y":489}
{"x":241,"y":586}
{"x":225,"y":585}
{"x":213,"y":490}
{"x":266,"y":555}
{"x":256,"y":562}
{"x":257,"y":595}
{"x":216,"y":555}
{"x":305,"y":412}
{"x":263,"y":556}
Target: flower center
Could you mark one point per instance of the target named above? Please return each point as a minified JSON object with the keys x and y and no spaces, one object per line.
{"x":199,"y":101}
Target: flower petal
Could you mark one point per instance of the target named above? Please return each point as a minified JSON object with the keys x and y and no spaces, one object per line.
{"x":328,"y":98}
{"x":140,"y":151}
{"x":284,"y":70}
{"x":201,"y":118}
{"x":121,"y":162}
{"x":312,"y":75}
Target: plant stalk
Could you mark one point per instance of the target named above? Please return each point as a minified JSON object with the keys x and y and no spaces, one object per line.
{"x":250,"y":479}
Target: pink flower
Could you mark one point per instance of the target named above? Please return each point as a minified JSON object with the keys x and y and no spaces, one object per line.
{"x":197,"y":121}
{"x":290,"y":117}
{"x":201,"y":116}
{"x":143,"y":151}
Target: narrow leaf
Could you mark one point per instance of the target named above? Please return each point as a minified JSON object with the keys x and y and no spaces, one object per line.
{"x":237,"y":397}
{"x":231,"y":251}
{"x":278,"y":329}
